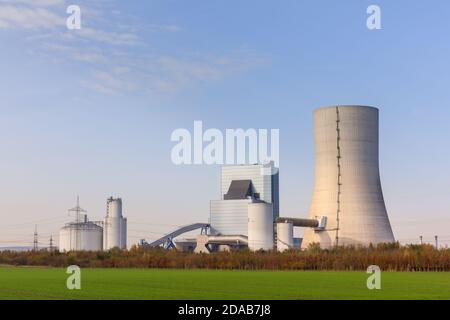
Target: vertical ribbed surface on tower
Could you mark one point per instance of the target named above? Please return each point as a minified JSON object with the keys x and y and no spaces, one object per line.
{"x":347,"y":180}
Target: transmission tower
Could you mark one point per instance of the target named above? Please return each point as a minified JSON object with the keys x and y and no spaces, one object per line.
{"x":51,"y":243}
{"x":79,"y":212}
{"x":35,"y":240}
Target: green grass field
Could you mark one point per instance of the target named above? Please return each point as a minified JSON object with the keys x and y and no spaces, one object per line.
{"x":47,"y":283}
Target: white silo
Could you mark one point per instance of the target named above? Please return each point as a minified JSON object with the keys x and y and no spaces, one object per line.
{"x":285,"y":236}
{"x":115,"y":226}
{"x":81,"y":236}
{"x":347,"y":181}
{"x":260,"y":226}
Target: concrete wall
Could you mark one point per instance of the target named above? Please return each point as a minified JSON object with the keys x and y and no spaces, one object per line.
{"x":229,"y":217}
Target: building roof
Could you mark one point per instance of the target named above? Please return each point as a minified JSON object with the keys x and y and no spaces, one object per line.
{"x":239,"y":189}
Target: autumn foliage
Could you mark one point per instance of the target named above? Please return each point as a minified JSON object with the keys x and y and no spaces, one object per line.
{"x":389,"y":257}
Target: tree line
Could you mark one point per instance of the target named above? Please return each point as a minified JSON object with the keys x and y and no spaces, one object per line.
{"x":389,"y":257}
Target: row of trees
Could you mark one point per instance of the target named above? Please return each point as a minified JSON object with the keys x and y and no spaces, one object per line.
{"x":389,"y":257}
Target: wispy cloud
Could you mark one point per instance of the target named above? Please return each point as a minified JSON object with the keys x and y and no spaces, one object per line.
{"x":165,"y":27}
{"x":113,"y":38}
{"x":116,"y":54}
{"x":15,"y":17}
{"x":111,"y":83}
{"x":36,"y":3}
{"x":168,"y":74}
{"x":88,"y":55}
{"x":34,"y":14}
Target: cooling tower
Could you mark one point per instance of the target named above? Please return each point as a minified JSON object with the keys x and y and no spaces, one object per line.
{"x":347,"y":180}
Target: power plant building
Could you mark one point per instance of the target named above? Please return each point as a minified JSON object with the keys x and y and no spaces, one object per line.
{"x":264,"y":178}
{"x":229,"y":217}
{"x":347,"y":206}
{"x":240,"y":186}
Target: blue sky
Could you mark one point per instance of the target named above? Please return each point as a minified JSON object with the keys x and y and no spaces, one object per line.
{"x":90,"y":111}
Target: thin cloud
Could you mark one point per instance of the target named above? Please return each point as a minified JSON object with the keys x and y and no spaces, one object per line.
{"x":165,"y":27}
{"x":169,"y":73}
{"x":110,"y":83}
{"x":104,"y":47}
{"x":88,"y":55}
{"x":166,"y":74}
{"x":36,"y":3}
{"x":112,"y":38}
{"x":14,"y":17}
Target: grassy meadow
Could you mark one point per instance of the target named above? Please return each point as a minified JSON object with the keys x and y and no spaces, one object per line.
{"x":50,"y":283}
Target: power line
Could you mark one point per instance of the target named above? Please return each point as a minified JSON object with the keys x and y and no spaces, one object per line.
{"x":40,"y":221}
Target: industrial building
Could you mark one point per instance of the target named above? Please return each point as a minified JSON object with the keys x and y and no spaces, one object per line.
{"x":247,"y":215}
{"x":85,"y":235}
{"x":347,"y":207}
{"x":240,"y":186}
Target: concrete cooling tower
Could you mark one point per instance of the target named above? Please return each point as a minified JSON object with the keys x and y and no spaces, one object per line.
{"x":347,"y":181}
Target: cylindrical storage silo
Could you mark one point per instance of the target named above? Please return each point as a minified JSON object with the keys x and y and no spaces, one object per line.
{"x":260,"y":226}
{"x":347,"y":180}
{"x":84,"y":236}
{"x":115,"y":228}
{"x":64,"y":239}
{"x":285,"y":236}
{"x":114,"y":207}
